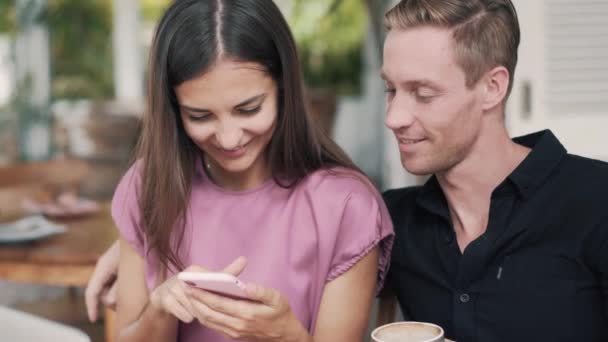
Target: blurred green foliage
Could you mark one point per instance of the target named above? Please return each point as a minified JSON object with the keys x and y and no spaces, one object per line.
{"x":152,"y":10}
{"x":330,"y":35}
{"x":81,"y":45}
{"x":80,"y":33}
{"x":81,"y":48}
{"x":7,"y":16}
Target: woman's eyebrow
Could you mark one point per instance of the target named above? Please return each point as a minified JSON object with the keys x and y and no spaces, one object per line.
{"x":250,"y":100}
{"x":194,"y":110}
{"x":242,"y":104}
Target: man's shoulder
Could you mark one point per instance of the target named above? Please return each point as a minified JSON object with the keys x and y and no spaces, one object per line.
{"x":586,"y":173}
{"x":587,"y":165}
{"x":396,"y":199}
{"x":579,"y":186}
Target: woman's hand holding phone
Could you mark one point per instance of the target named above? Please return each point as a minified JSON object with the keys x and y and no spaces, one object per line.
{"x":171,"y":296}
{"x":217,"y":282}
{"x":265,"y":315}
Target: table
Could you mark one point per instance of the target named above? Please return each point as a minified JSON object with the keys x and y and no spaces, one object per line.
{"x":67,"y":259}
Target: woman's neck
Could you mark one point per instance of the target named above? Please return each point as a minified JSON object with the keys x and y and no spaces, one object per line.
{"x":256,"y":175}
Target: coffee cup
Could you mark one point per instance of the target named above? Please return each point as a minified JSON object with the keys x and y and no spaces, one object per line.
{"x":408,"y":332}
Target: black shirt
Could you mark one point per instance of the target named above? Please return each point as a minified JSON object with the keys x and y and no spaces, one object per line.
{"x":538,"y":273}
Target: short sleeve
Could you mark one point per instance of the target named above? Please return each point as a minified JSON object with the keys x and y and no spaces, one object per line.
{"x":365,"y":224}
{"x":125,"y":209}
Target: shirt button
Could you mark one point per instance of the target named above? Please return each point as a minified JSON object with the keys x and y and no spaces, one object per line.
{"x":464,"y":298}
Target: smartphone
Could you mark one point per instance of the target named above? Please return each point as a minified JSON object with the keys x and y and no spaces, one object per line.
{"x":219,"y":283}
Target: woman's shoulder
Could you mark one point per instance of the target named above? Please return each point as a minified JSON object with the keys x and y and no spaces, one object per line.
{"x":129,"y":185}
{"x":338,"y":182}
{"x":132,"y":176}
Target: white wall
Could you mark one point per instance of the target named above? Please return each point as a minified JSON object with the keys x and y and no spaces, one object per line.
{"x":582,"y":128}
{"x":359,"y":128}
{"x":128,"y":59}
{"x":6,"y":70}
{"x":32,"y":57}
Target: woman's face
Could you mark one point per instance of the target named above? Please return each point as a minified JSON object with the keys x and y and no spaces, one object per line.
{"x":230,"y":112}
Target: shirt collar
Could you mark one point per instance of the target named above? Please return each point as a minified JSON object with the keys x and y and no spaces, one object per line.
{"x":546,"y":154}
{"x":431,"y":198}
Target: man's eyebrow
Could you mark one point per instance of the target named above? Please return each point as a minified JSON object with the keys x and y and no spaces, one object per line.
{"x":242,"y":104}
{"x":413,"y":83}
{"x":421,"y":83}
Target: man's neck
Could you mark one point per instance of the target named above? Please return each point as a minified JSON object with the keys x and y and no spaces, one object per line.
{"x":468,"y":186}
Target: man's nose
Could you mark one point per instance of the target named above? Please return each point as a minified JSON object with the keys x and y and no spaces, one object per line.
{"x":399,"y":113}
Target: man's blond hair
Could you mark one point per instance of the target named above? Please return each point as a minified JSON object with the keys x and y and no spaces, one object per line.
{"x":485,"y":32}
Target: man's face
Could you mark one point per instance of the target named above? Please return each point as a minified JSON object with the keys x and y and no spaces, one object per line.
{"x":434,"y":116}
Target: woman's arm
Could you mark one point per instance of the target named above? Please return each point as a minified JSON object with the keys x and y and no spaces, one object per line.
{"x":347,"y":301}
{"x":137,"y":318}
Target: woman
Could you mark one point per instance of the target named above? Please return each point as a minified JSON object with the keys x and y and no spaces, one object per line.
{"x":231,"y":171}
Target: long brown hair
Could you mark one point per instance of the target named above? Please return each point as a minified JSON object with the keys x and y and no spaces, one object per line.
{"x":191,"y":36}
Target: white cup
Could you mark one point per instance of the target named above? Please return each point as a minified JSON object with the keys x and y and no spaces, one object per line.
{"x":408,"y":332}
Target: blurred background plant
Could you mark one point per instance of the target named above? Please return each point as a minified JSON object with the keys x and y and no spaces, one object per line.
{"x":81,"y":48}
{"x":80,"y":43}
{"x":152,"y":10}
{"x":7,"y":16}
{"x":8,"y":100}
{"x":330,"y":35}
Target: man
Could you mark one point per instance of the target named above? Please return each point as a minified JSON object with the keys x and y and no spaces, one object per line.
{"x":508,"y":240}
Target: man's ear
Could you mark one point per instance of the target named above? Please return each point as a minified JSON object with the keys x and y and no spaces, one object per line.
{"x":496,"y":85}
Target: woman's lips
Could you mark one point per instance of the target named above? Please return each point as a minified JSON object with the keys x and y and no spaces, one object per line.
{"x":234,"y":153}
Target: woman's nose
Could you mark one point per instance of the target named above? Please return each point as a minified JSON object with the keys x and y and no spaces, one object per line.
{"x":229,"y":135}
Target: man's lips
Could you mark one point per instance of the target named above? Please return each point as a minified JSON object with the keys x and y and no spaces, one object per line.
{"x":409,"y":144}
{"x":410,"y":141}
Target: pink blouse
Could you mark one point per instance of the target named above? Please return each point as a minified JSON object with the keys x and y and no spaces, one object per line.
{"x":295,"y":240}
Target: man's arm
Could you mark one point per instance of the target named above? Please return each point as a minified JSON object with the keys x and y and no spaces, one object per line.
{"x":102,"y":285}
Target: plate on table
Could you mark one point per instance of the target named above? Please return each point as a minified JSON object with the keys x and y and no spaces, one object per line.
{"x":66,"y":205}
{"x":29,"y":229}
